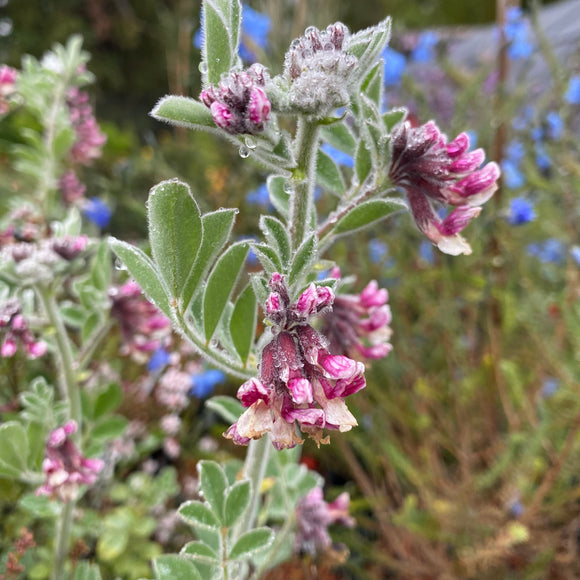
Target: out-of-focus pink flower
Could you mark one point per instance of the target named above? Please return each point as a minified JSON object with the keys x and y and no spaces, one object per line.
{"x":429,"y":169}
{"x":70,"y":186}
{"x":143,"y":326}
{"x":65,"y":467}
{"x":16,"y":332}
{"x":8,"y":76}
{"x":300,"y":382}
{"x":69,"y":247}
{"x":89,"y":138}
{"x":358,"y":325}
{"x":239,"y":104}
{"x":172,"y":390}
{"x":314,"y":515}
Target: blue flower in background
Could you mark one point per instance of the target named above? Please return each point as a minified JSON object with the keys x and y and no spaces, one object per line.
{"x":424,"y":50}
{"x":204,"y":384}
{"x":523,"y":118}
{"x":378,"y":251}
{"x":572,"y":95}
{"x":158,"y":360}
{"x":517,"y":34}
{"x":338,"y":156}
{"x":395,"y":64}
{"x":259,"y":197}
{"x":555,"y":125}
{"x":97,"y":211}
{"x":543,"y":160}
{"x":473,"y":137}
{"x":549,"y":387}
{"x":516,"y":150}
{"x":575,"y":253}
{"x":426,"y":251}
{"x":521,"y":212}
{"x":550,"y":251}
{"x":537,"y":134}
{"x":512,"y":176}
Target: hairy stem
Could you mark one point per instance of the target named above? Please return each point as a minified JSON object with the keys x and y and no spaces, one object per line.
{"x":304,"y":180}
{"x":63,"y":529}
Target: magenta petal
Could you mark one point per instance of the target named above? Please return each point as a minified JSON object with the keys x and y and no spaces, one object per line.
{"x":458,"y":146}
{"x":251,"y":391}
{"x":468,"y":162}
{"x":457,"y":220}
{"x":301,"y":390}
{"x":338,"y":366}
{"x":307,"y":416}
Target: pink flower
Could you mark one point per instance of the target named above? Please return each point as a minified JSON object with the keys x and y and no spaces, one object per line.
{"x":314,"y":515}
{"x":89,"y":139}
{"x":65,"y":467}
{"x":17,"y":332}
{"x":431,"y":170}
{"x":8,"y":77}
{"x":70,"y":186}
{"x":300,"y":384}
{"x":358,"y":325}
{"x":239,"y":104}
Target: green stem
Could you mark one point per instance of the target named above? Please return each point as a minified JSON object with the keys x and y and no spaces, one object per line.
{"x":71,"y":394}
{"x":254,"y":470}
{"x":86,"y":354}
{"x":304,"y":179}
{"x":211,"y":354}
{"x":62,"y":540}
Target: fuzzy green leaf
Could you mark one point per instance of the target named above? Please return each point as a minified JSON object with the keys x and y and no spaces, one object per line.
{"x":277,"y":236}
{"x":143,"y":271}
{"x":305,"y":255}
{"x":363,"y":162}
{"x":280,"y":199}
{"x":243,"y":322}
{"x":372,"y":85}
{"x":213,"y":484}
{"x":175,"y":232}
{"x":393,"y":117}
{"x":228,"y":408}
{"x":184,"y":112}
{"x":196,"y":513}
{"x":367,"y":45}
{"x":268,"y":257}
{"x":217,"y":227}
{"x":200,"y":552}
{"x":341,"y":137}
{"x":87,"y":571}
{"x":328,"y":175}
{"x":174,"y":567}
{"x":251,"y":542}
{"x":220,"y":284}
{"x":366,"y":214}
{"x":108,"y":400}
{"x":237,"y":501}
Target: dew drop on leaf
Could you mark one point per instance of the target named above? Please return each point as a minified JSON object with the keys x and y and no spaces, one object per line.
{"x":244,"y":152}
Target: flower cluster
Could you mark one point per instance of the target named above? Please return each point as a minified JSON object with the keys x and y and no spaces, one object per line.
{"x":313,"y":516}
{"x":239,"y":104}
{"x":300,"y":382}
{"x":89,"y":138}
{"x":142,"y":325}
{"x":319,"y":70}
{"x":18,"y":332}
{"x":358,"y":325}
{"x":65,"y":467}
{"x":430,"y":170}
{"x":71,"y":187}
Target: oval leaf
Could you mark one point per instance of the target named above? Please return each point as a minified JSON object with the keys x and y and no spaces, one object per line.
{"x":213,"y":484}
{"x":174,"y":567}
{"x":366,"y":214}
{"x":196,"y":513}
{"x":200,"y":552}
{"x":279,"y":198}
{"x":13,"y":449}
{"x":143,"y":272}
{"x":276,"y":235}
{"x":237,"y":502}
{"x":243,"y":322}
{"x":175,"y":232}
{"x":220,"y":284}
{"x":305,"y":255}
{"x":228,"y":408}
{"x":251,"y":542}
{"x":328,"y":175}
{"x":183,"y":112}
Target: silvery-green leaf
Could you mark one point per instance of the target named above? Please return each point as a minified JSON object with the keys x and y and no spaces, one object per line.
{"x":243,"y":322}
{"x":217,"y":227}
{"x":367,"y":45}
{"x":367,"y":213}
{"x":372,"y":85}
{"x":328,"y":175}
{"x":305,"y":255}
{"x":213,"y":484}
{"x":174,"y":567}
{"x":363,"y":162}
{"x":184,"y":112}
{"x":394,"y":117}
{"x":250,"y":543}
{"x":175,"y":233}
{"x":341,"y":137}
{"x":196,"y":513}
{"x":199,"y":552}
{"x":237,"y":501}
{"x":13,"y":449}
{"x":276,"y":235}
{"x":228,"y":408}
{"x":143,"y":272}
{"x":220,"y":285}
{"x":268,"y":257}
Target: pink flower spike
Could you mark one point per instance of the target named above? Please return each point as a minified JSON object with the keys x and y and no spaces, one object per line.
{"x":259,"y":107}
{"x":478,"y":187}
{"x":273,"y":303}
{"x":9,"y":348}
{"x":8,"y":75}
{"x":36,"y":349}
{"x":468,"y":162}
{"x":373,"y":296}
{"x":300,"y":390}
{"x":458,"y":146}
{"x":222,"y":116}
{"x":339,"y":367}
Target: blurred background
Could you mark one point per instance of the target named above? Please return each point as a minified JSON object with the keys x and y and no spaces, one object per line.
{"x":467,"y":458}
